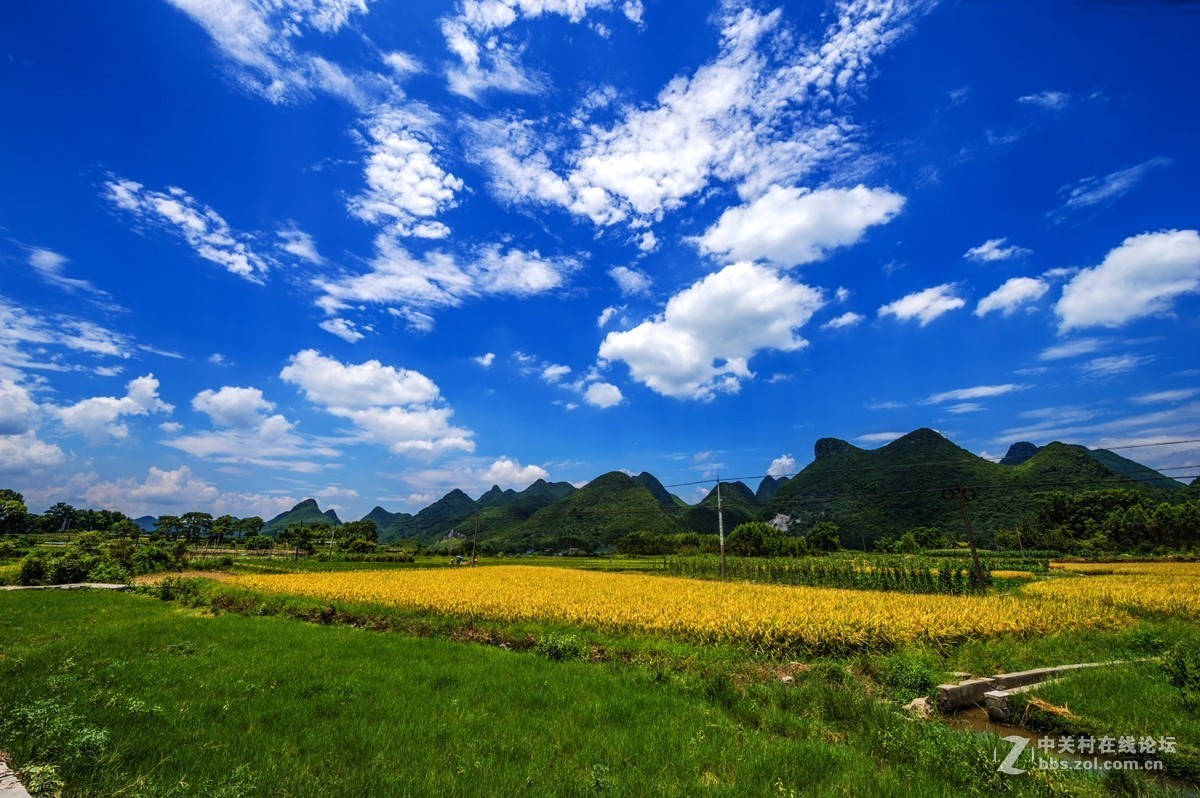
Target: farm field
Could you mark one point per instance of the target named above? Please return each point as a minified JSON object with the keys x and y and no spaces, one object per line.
{"x":612,"y":684}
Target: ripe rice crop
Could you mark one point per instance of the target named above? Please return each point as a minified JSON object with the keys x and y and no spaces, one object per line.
{"x":1168,"y":588}
{"x":1029,"y":575}
{"x":772,"y":617}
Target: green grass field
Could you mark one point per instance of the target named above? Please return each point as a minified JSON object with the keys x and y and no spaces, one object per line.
{"x":130,"y":696}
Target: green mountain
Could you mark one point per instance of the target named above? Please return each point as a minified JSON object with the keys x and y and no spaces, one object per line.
{"x":651,"y":483}
{"x":890,"y":490}
{"x":768,"y":488}
{"x":596,"y":515}
{"x":1130,"y":469}
{"x":1019,"y":452}
{"x":738,"y":505}
{"x":306,"y":512}
{"x":387,"y":523}
{"x":498,"y":511}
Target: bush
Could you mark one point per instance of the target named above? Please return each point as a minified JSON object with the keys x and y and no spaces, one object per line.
{"x":1182,"y":665}
{"x":561,"y":647}
{"x":33,"y":571}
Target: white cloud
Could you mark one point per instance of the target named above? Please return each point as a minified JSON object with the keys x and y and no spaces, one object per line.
{"x":555,"y":372}
{"x":486,"y":359}
{"x":412,"y":287}
{"x":648,"y":242}
{"x":488,"y":60}
{"x":1157,"y":397}
{"x":236,"y":408}
{"x":994,"y":250}
{"x":50,"y":266}
{"x":346,"y":330}
{"x":18,"y":412}
{"x":880,"y":437}
{"x":1095,"y":191}
{"x":782,"y":466}
{"x":245,"y":433}
{"x":98,"y":418}
{"x":25,"y":453}
{"x":406,"y":187}
{"x":200,"y":226}
{"x":849,"y":319}
{"x":631,"y":281}
{"x":25,"y":338}
{"x":1047,"y":100}
{"x":257,"y":37}
{"x":396,"y":408}
{"x":925,"y":306}
{"x":1012,"y":295}
{"x":1113,"y":365}
{"x":606,"y":315}
{"x":602,"y":394}
{"x":508,"y":473}
{"x":769,"y":109}
{"x":965,"y":407}
{"x":977,"y":392}
{"x":177,"y":491}
{"x":1080,"y":346}
{"x":794,"y":226}
{"x":1142,"y":277}
{"x":702,"y":342}
{"x":299,"y":243}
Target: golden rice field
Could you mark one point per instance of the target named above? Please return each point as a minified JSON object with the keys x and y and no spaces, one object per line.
{"x":1167,"y":588}
{"x":769,"y":616}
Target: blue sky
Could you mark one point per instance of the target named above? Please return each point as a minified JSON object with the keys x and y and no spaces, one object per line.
{"x":253,"y":251}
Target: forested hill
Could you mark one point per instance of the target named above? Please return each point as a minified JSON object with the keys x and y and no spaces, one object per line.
{"x":897,"y":487}
{"x":868,"y":493}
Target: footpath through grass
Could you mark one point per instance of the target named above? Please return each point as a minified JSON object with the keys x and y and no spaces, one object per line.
{"x":129,"y":696}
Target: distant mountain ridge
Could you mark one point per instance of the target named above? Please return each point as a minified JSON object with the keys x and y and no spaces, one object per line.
{"x":868,"y":493}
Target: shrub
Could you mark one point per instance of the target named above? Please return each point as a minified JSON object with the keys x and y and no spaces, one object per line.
{"x":1182,"y":665}
{"x":561,"y":647}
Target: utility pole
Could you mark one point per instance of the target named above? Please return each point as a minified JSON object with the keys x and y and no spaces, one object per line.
{"x":965,"y":495}
{"x":475,"y":540}
{"x":720,"y":528}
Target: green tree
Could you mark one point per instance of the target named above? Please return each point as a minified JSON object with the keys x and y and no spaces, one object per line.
{"x":125,"y":529}
{"x":62,"y":515}
{"x":824,"y":536}
{"x":224,"y":527}
{"x":756,"y":539}
{"x":168,"y":526}
{"x":196,"y":525}
{"x":14,"y":515}
{"x":250,"y":526}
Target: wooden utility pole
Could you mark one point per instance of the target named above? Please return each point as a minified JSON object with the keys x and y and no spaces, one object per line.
{"x":475,"y":540}
{"x":965,"y":495}
{"x":720,"y":527}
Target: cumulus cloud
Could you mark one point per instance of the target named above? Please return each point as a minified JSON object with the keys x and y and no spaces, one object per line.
{"x":1100,"y":191}
{"x":602,"y":394}
{"x":248,"y":433}
{"x":849,"y":319}
{"x":406,"y":187}
{"x":794,"y":226}
{"x":782,"y":466}
{"x":486,"y":359}
{"x":25,"y":453}
{"x":205,"y":231}
{"x":994,"y":249}
{"x":397,"y":408}
{"x":631,"y":281}
{"x":1142,"y":277}
{"x":166,"y":491}
{"x":702,"y":342}
{"x":555,"y":372}
{"x":1013,"y":295}
{"x":925,"y":306}
{"x":507,"y":472}
{"x":18,"y":411}
{"x":237,"y":408}
{"x":606,"y":316}
{"x":98,"y":418}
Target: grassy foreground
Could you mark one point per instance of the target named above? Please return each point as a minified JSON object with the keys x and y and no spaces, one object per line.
{"x":130,"y":696}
